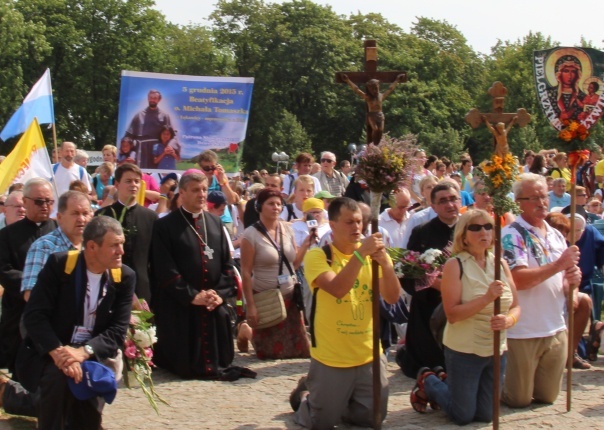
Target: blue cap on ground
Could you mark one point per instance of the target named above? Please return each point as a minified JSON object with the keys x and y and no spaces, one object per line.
{"x":97,"y":380}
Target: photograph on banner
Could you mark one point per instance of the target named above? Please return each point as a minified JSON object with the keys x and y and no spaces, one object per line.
{"x":569,"y":84}
{"x":165,"y":120}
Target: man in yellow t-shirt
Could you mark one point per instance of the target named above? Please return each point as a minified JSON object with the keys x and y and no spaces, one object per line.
{"x":339,"y":382}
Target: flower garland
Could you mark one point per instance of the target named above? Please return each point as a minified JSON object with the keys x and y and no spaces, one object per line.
{"x":499,"y":174}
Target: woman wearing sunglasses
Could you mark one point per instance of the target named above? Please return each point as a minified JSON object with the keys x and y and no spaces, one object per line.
{"x":465,"y":391}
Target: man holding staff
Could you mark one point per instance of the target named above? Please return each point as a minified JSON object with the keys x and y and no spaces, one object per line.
{"x":543,"y":268}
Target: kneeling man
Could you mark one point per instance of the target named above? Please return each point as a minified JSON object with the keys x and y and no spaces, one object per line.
{"x":339,"y":383}
{"x":78,"y":310}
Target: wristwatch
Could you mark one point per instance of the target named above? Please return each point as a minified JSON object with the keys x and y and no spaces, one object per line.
{"x":89,"y":350}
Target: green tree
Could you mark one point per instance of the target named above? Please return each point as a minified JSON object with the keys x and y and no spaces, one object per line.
{"x":92,"y":42}
{"x":23,"y":44}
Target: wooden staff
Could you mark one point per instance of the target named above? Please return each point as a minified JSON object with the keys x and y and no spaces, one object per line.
{"x":569,"y":297}
{"x":375,"y":305}
{"x":497,"y":333}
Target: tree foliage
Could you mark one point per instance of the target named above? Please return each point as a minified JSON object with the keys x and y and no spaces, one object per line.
{"x":292,"y":49}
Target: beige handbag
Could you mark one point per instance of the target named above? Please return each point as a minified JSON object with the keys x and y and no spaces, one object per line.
{"x":270,"y":308}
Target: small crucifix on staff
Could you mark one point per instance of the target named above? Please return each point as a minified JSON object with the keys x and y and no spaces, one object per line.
{"x":373,"y":98}
{"x":499,"y":124}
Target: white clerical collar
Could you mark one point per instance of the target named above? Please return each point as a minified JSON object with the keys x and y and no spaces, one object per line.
{"x":128,"y":206}
{"x":194,"y":215}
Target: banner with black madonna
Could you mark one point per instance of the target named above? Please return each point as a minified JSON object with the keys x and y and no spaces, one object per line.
{"x":569,"y":83}
{"x":165,"y":120}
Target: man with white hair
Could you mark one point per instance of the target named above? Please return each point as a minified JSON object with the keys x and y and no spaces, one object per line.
{"x":330,"y":179}
{"x":543,"y":267}
{"x":14,"y":209}
{"x":394,"y":219}
{"x":15,"y":241}
{"x":67,"y":171}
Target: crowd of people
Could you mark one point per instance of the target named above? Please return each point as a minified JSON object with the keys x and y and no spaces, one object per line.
{"x":71,"y":272}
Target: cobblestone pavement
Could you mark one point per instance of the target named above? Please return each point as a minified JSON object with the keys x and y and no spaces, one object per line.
{"x":262,"y":403}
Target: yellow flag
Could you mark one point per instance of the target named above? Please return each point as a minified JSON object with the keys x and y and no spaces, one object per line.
{"x":29,"y":159}
{"x":140,"y":198}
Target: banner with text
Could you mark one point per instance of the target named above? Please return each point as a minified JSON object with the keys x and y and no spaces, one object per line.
{"x":165,"y":120}
{"x":569,"y":84}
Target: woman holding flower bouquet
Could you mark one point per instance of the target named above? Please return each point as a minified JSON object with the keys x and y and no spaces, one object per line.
{"x":465,"y":392}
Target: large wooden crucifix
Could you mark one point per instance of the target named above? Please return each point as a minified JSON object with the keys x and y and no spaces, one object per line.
{"x":499,"y":124}
{"x":373,"y":98}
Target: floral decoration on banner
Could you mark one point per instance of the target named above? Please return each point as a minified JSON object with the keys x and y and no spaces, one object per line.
{"x":423,"y":267}
{"x":574,"y":141}
{"x":499,"y":174}
{"x":385,"y":167}
{"x":138,"y":351}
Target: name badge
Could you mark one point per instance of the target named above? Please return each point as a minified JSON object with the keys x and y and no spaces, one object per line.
{"x":81,"y":335}
{"x":283,"y":279}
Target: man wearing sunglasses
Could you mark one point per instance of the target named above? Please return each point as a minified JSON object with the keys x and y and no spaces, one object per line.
{"x":543,"y":267}
{"x":15,"y":241}
{"x":330,"y":179}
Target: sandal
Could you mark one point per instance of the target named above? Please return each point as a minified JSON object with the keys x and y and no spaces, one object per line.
{"x":419,"y":399}
{"x":594,"y":340}
{"x":419,"y":402}
{"x":440,"y":373}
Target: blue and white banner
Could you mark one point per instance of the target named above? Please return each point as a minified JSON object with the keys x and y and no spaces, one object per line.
{"x":165,"y":120}
{"x":37,"y":104}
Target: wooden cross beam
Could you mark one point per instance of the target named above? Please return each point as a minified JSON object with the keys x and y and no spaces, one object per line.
{"x":475,"y":118}
{"x":373,"y":98}
{"x":370,"y":66}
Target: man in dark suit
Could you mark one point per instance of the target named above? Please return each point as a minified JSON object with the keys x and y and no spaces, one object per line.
{"x":137,"y":222}
{"x":15,"y":241}
{"x":79,"y":310}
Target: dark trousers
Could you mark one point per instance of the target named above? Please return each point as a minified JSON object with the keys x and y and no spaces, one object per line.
{"x":58,"y":407}
{"x":17,"y":400}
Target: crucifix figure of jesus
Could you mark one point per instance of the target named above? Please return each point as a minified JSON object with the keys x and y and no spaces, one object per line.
{"x":373,"y":98}
{"x":498,"y":122}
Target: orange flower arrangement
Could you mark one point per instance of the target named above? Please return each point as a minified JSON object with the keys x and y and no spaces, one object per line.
{"x":573,"y":131}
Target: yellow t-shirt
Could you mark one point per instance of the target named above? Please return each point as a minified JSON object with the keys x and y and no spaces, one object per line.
{"x":599,"y":171}
{"x":343,"y":327}
{"x":562,"y":173}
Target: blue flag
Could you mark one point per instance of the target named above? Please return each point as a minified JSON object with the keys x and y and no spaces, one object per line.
{"x":38,"y":104}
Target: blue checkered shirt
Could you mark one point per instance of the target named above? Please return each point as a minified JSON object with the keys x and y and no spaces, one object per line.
{"x":38,"y":253}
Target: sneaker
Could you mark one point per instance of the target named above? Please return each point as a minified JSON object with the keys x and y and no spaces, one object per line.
{"x":579,"y":363}
{"x":295,"y":398}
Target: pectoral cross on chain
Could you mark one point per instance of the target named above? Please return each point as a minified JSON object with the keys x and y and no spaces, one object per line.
{"x":208,"y":252}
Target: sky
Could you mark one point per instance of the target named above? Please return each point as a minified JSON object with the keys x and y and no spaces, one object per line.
{"x":482,"y":22}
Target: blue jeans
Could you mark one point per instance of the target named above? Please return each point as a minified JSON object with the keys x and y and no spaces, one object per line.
{"x":467,"y":393}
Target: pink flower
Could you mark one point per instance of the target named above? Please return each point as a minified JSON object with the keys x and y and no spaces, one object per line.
{"x":130,"y":352}
{"x":149,"y":352}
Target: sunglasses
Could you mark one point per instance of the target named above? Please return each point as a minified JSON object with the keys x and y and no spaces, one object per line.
{"x":478,"y":227}
{"x":326,"y":160}
{"x":209,"y":169}
{"x":41,"y":202}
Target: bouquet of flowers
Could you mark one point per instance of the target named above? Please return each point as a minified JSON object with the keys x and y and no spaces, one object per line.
{"x":424,"y":268}
{"x":384,"y":167}
{"x":138,"y":351}
{"x":499,"y":174}
{"x":574,"y":141}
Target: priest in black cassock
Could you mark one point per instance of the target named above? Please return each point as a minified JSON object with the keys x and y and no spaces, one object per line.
{"x":15,"y":241}
{"x":422,"y":348}
{"x":192,"y":275}
{"x":137,"y":222}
